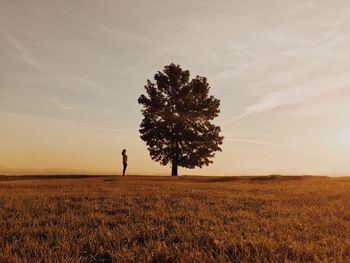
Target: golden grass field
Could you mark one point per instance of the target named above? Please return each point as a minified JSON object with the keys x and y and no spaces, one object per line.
{"x":184,"y":219}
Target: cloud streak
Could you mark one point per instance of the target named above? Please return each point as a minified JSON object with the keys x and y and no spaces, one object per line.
{"x":21,"y":50}
{"x":277,"y":99}
{"x":249,"y":141}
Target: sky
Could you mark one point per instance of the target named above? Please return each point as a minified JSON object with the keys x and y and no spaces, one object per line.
{"x":71,"y":73}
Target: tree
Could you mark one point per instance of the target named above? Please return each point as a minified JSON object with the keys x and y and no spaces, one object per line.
{"x":177,"y":113}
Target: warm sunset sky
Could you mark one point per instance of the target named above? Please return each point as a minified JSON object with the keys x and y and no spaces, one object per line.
{"x":71,"y":73}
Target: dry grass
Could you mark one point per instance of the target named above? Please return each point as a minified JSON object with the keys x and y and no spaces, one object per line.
{"x":148,"y":219}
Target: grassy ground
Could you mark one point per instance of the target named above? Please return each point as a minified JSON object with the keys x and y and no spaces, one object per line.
{"x":188,"y":219}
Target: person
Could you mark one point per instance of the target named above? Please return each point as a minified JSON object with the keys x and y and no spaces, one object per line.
{"x":125,"y":161}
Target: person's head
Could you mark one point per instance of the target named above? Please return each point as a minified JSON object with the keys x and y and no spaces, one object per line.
{"x":123,"y":152}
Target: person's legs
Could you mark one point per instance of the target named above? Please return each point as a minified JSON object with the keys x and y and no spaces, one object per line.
{"x":124,"y":168}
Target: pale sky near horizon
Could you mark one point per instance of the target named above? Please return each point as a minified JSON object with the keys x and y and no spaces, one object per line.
{"x":71,"y":73}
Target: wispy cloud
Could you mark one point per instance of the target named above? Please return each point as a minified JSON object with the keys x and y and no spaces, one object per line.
{"x":297,"y":69}
{"x":249,"y":141}
{"x":68,"y":123}
{"x":274,"y":100}
{"x":97,"y":88}
{"x":21,"y":49}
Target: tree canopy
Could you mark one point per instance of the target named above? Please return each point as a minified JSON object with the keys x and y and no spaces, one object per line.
{"x":177,"y":115}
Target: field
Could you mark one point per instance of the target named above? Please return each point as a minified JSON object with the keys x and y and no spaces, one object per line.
{"x":184,"y":219}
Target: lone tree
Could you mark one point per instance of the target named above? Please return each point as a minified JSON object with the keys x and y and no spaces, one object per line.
{"x":177,"y":113}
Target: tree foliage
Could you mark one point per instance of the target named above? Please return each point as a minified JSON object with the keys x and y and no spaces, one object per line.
{"x":177,"y":112}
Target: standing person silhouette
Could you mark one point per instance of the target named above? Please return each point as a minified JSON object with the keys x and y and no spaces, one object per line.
{"x":125,"y":161}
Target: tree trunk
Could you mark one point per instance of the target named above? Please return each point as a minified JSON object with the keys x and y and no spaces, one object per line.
{"x":174,"y":169}
{"x":175,"y":160}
